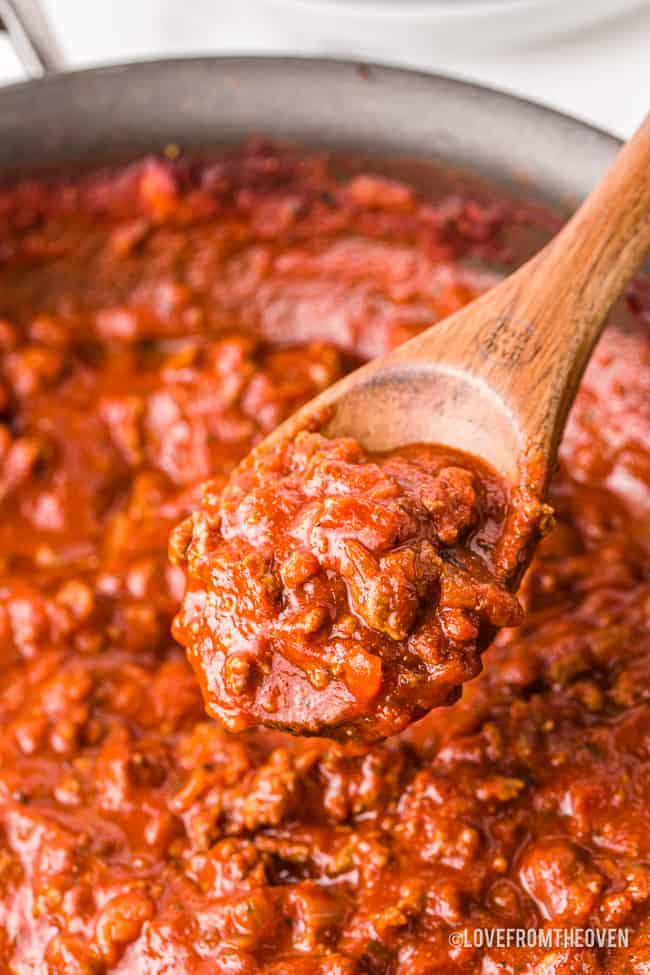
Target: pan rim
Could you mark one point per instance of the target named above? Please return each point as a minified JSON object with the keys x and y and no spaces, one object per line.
{"x":302,"y":62}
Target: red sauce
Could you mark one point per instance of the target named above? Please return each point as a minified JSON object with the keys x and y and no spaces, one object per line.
{"x":155,"y":323}
{"x":336,"y":592}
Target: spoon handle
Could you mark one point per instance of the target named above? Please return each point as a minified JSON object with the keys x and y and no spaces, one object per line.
{"x":609,"y":236}
{"x":568,"y":290}
{"x":530,"y":338}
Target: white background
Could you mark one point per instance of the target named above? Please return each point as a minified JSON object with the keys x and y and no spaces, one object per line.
{"x":598,"y":72}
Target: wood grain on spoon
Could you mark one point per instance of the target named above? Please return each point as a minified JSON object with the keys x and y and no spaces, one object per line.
{"x":497,"y":378}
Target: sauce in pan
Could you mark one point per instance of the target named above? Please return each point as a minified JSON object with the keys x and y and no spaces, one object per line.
{"x":156,"y":322}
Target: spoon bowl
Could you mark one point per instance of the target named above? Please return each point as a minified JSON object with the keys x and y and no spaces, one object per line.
{"x":402,"y":400}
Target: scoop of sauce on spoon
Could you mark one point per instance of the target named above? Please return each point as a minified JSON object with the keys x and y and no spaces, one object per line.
{"x":329,"y":589}
{"x":347,"y":581}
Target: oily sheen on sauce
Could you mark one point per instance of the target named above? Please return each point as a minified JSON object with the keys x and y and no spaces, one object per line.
{"x":156,"y":321}
{"x":330,"y":591}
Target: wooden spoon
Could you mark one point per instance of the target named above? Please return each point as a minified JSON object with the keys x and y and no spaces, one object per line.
{"x":497,"y":378}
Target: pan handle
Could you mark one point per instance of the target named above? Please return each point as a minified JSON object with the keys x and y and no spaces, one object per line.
{"x":32,"y":37}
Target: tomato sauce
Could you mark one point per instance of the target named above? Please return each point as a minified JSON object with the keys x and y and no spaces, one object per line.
{"x":337,"y":592}
{"x":156,"y":322}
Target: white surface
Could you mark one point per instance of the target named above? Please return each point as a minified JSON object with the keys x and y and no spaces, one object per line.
{"x":416,"y":28}
{"x":579,"y":13}
{"x":601,"y":74}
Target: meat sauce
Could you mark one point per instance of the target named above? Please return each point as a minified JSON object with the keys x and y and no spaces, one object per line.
{"x":156,"y":322}
{"x":336,"y":592}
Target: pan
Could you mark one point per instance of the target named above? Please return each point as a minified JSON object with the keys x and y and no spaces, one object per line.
{"x":100,"y":114}
{"x":402,"y":120}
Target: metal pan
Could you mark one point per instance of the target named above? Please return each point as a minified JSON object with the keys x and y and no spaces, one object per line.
{"x":390,"y":114}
